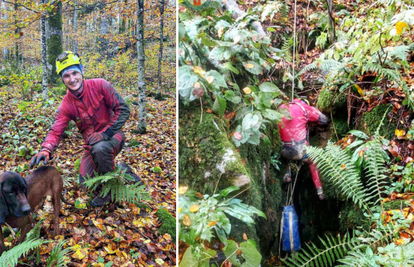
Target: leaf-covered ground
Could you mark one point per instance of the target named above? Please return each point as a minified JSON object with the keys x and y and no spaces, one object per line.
{"x":117,"y":234}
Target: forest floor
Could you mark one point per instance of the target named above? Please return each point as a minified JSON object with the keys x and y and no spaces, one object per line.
{"x":114,"y":235}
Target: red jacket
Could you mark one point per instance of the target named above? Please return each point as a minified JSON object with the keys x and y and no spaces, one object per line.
{"x":296,"y":127}
{"x":98,"y":109}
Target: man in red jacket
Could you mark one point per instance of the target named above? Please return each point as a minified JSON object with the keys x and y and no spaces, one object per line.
{"x":99,"y":113}
{"x":294,"y":134}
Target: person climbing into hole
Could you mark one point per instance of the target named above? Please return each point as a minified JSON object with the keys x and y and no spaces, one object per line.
{"x":294,"y":132}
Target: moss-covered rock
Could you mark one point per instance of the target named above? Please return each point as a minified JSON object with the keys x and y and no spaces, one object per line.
{"x":330,"y":101}
{"x":208,"y":158}
{"x":371,"y":120}
{"x":168,"y":223}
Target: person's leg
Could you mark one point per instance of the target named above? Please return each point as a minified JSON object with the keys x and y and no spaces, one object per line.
{"x":103,"y":155}
{"x":316,"y":178}
{"x":87,"y":167}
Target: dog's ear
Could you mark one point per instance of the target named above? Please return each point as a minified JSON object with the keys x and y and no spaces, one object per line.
{"x":4,"y":211}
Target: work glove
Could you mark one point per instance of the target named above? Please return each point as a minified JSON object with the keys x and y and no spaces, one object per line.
{"x":42,"y":155}
{"x":96,"y":138}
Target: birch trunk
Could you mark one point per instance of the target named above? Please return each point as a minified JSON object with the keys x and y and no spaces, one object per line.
{"x":142,"y":125}
{"x":44,"y":54}
{"x":75,"y":26}
{"x":161,"y":44}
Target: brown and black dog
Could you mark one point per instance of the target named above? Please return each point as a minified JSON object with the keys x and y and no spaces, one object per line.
{"x":15,"y":207}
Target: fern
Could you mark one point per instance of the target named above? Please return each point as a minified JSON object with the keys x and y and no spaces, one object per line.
{"x":324,"y":65}
{"x":11,"y":257}
{"x":334,"y":249}
{"x":270,"y":9}
{"x":57,"y":256}
{"x":115,"y":184}
{"x":336,"y":165}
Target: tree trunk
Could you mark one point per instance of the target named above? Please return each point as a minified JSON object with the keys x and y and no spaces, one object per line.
{"x":161,"y":44}
{"x":6,"y":51}
{"x":332,"y":36}
{"x":142,"y":125}
{"x":54,"y":40}
{"x":103,"y":42}
{"x":16,"y":43}
{"x":75,"y":26}
{"x":44,"y":54}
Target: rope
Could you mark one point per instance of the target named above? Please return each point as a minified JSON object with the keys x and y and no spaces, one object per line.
{"x":294,"y":54}
{"x":291,"y":188}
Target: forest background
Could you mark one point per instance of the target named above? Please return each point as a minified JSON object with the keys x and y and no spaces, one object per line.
{"x":108,"y":37}
{"x":238,"y":61}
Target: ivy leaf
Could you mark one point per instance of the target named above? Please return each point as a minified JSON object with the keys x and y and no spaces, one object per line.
{"x":253,"y":67}
{"x":250,"y":254}
{"x":218,"y":79}
{"x":268,"y":87}
{"x":230,"y":251}
{"x":230,"y":96}
{"x":272,"y":114}
{"x":219,"y":106}
{"x":220,"y":53}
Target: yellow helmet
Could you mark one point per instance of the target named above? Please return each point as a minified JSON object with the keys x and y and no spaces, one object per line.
{"x":66,"y":59}
{"x":304,"y":100}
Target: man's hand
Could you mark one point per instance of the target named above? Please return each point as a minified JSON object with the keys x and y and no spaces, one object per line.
{"x":42,"y":155}
{"x":96,"y":138}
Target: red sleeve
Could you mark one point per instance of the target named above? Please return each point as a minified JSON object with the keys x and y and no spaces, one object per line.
{"x":58,"y":127}
{"x":120,"y":108}
{"x":313,"y":113}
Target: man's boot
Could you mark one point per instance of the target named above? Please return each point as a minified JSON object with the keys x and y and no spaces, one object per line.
{"x":319,"y":191}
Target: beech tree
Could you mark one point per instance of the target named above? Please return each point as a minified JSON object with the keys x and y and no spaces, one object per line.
{"x":142,"y":125}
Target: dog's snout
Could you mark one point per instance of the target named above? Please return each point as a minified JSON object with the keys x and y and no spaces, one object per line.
{"x":26,"y":209}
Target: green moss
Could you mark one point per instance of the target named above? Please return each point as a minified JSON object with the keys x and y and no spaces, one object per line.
{"x":352,"y":216}
{"x":203,"y":145}
{"x":168,"y":223}
{"x":201,"y":149}
{"x":395,"y":205}
{"x":339,"y":126}
{"x":371,"y":121}
{"x":329,"y":100}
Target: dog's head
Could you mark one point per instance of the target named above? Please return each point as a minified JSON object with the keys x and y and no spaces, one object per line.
{"x":13,"y":196}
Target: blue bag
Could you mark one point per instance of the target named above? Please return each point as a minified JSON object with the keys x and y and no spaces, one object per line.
{"x":290,"y":229}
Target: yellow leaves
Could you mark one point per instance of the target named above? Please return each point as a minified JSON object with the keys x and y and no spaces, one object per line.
{"x":247,"y":90}
{"x":80,"y":252}
{"x":400,"y":133}
{"x":212,"y":223}
{"x":399,"y":26}
{"x":182,"y":190}
{"x":186,"y":220}
{"x":210,"y":79}
{"x":111,"y":249}
{"x":220,"y":31}
{"x":194,"y":208}
{"x":360,"y":92}
{"x":199,"y":71}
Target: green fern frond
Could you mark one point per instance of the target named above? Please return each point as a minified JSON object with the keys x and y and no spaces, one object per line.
{"x":115,"y":184}
{"x":334,"y":249}
{"x":375,"y":170}
{"x":121,"y":192}
{"x":58,"y":255}
{"x":337,"y":166}
{"x":287,"y":49}
{"x":324,"y":65}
